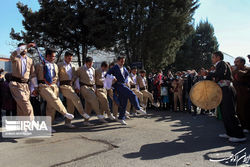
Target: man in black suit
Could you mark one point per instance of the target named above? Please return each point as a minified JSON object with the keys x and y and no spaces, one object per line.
{"x":223,"y":76}
{"x":192,"y":79}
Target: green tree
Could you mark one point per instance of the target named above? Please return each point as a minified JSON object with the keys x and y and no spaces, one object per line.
{"x":73,"y":24}
{"x":198,"y":48}
{"x":184,"y":56}
{"x":152,"y":31}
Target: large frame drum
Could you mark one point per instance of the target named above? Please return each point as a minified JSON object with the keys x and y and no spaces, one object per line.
{"x":206,"y":95}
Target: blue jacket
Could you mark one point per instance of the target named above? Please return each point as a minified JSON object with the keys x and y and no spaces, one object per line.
{"x":115,"y":71}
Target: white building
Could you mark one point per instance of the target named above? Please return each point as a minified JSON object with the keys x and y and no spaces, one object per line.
{"x":230,"y":59}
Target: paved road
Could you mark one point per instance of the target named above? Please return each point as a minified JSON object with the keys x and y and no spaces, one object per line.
{"x":159,"y":139}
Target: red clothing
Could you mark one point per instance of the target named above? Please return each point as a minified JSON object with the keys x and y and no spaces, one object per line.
{"x":157,"y":83}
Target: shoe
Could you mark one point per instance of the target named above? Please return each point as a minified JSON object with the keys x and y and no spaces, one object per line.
{"x":235,"y":139}
{"x":69,"y":116}
{"x":134,"y":114}
{"x":127,"y":116}
{"x":121,"y":121}
{"x":127,"y":113}
{"x":86,"y":116}
{"x":111,"y":117}
{"x":87,"y":123}
{"x":69,"y":125}
{"x":143,"y":106}
{"x":224,"y":136}
{"x":245,"y":131}
{"x":141,"y":111}
{"x":100,"y":116}
{"x":102,"y":120}
{"x":156,"y":105}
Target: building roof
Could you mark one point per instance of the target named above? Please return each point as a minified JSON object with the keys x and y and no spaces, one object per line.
{"x":4,"y":59}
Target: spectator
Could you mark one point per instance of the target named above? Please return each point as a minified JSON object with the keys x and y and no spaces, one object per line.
{"x":9,"y":104}
{"x":192,"y":79}
{"x":241,"y":83}
{"x":157,"y":86}
{"x":177,"y":85}
{"x":164,"y":94}
{"x":185,"y":92}
{"x":170,"y":78}
{"x":150,"y":80}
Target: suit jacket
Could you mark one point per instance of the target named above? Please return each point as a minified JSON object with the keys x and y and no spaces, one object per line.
{"x":222,"y":72}
{"x":115,"y":71}
{"x":98,"y":77}
{"x":16,"y":65}
{"x":83,"y":75}
{"x":40,"y":74}
{"x":63,"y":76}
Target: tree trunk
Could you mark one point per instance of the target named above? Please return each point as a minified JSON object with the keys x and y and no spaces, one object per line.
{"x":78,"y":56}
{"x":59,"y":56}
{"x":128,"y":55}
{"x":84,"y":52}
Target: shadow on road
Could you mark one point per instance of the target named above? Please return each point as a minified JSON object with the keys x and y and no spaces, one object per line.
{"x":200,"y":133}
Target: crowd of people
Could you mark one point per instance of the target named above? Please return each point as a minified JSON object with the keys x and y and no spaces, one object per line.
{"x":119,"y":92}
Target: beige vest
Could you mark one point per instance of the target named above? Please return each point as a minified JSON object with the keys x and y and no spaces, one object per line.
{"x":140,"y":82}
{"x":63,"y":76}
{"x":83,"y":75}
{"x":98,"y":77}
{"x":40,"y":74}
{"x":16,"y":65}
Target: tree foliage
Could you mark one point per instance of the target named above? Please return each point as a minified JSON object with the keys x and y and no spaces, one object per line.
{"x":197,"y":50}
{"x":153,"y":30}
{"x":150,"y":31}
{"x":73,"y":24}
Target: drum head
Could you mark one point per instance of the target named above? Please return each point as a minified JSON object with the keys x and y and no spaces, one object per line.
{"x":206,"y":95}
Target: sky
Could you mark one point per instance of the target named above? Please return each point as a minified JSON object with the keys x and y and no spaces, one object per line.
{"x":231,"y":22}
{"x":230,"y":18}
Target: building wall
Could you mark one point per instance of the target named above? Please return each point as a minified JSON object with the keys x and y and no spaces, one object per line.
{"x":5,"y":64}
{"x":230,"y":59}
